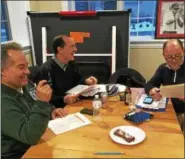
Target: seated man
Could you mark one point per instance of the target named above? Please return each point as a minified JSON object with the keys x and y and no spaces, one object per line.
{"x":25,"y":111}
{"x":62,"y":71}
{"x":171,"y":72}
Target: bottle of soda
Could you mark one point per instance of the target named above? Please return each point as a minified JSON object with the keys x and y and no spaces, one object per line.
{"x":97,"y":104}
{"x":128,"y":93}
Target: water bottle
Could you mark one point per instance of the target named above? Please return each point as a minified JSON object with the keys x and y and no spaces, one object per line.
{"x":97,"y":104}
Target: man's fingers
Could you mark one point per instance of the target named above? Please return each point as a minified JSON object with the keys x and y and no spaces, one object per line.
{"x":59,"y":112}
{"x":41,"y":83}
{"x":157,"y":96}
{"x":65,"y":112}
{"x":53,"y":115}
{"x":91,"y":80}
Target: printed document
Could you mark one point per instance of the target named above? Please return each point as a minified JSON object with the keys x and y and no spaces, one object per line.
{"x":86,"y":90}
{"x":156,"y":105}
{"x":70,"y":122}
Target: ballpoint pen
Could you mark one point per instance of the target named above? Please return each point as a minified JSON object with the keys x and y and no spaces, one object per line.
{"x":109,"y":153}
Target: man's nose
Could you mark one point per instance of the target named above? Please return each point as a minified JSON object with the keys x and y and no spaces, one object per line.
{"x":27,"y":71}
{"x":75,"y":49}
{"x":173,"y":59}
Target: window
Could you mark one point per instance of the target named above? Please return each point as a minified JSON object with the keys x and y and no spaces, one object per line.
{"x":5,"y":31}
{"x":81,"y":5}
{"x":142,"y":17}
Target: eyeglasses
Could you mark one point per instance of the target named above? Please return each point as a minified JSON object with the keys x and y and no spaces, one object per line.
{"x":177,"y":57}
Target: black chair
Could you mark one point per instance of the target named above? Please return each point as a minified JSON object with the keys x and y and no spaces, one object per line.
{"x":34,"y":75}
{"x":97,"y":69}
{"x":123,"y":74}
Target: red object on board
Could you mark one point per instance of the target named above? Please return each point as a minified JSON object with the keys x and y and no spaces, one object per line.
{"x":77,"y":13}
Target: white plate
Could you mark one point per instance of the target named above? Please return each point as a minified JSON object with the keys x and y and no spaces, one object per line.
{"x":138,"y":133}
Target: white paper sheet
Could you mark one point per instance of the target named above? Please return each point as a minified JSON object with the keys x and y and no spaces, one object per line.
{"x":68,"y":123}
{"x":174,"y":91}
{"x":86,"y":91}
{"x":80,"y":89}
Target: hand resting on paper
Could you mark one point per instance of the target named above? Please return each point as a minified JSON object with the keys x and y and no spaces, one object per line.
{"x":155,"y":93}
{"x":59,"y":113}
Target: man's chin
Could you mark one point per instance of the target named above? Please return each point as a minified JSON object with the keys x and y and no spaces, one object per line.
{"x":24,"y":83}
{"x":175,"y":67}
{"x":72,"y":59}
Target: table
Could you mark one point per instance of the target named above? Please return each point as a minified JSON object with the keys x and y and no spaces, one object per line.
{"x":164,"y":138}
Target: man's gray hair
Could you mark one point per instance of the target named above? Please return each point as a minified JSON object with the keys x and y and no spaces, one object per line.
{"x":4,"y":51}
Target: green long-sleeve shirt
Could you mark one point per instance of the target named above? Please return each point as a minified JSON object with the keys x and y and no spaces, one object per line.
{"x":24,"y":120}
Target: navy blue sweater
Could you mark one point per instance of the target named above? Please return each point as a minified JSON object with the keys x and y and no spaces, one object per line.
{"x":61,"y":80}
{"x":166,"y":76}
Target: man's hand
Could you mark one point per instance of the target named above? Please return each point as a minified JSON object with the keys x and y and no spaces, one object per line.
{"x":70,"y":98}
{"x":43,"y":91}
{"x":155,"y":93}
{"x":91,"y":81}
{"x":58,"y":113}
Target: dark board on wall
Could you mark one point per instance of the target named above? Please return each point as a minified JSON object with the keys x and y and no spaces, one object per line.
{"x":99,"y":27}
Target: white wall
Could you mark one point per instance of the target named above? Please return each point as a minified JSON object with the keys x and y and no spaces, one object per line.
{"x":18,"y":21}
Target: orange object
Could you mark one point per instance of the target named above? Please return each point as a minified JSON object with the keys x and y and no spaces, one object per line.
{"x":79,"y":36}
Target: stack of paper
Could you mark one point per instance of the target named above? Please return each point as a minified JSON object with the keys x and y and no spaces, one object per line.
{"x":68,"y":123}
{"x":80,"y":89}
{"x":156,"y":105}
{"x":86,"y":90}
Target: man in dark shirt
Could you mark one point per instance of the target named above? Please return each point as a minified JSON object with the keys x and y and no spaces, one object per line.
{"x":169,"y":73}
{"x":25,"y":112}
{"x":62,"y":71}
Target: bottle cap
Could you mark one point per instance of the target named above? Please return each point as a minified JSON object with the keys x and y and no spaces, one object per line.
{"x":96,"y":96}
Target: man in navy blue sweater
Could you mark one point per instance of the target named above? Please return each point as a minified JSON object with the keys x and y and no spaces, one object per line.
{"x":169,"y":73}
{"x":62,"y":71}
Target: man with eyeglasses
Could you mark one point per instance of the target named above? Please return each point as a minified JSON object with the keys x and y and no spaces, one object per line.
{"x":62,"y":72}
{"x":169,"y":73}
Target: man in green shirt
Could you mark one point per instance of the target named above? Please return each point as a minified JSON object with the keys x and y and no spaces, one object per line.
{"x":25,"y":110}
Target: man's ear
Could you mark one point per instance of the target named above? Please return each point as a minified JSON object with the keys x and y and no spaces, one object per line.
{"x":2,"y":68}
{"x":2,"y":72}
{"x":59,"y":49}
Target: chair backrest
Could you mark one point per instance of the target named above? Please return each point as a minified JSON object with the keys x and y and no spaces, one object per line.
{"x":34,"y":75}
{"x":122,"y":75}
{"x":100,"y":70}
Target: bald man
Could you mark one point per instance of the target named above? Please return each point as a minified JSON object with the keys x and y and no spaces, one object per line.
{"x":169,"y":73}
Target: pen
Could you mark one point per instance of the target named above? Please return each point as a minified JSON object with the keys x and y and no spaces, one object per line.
{"x":79,"y":118}
{"x":109,"y":153}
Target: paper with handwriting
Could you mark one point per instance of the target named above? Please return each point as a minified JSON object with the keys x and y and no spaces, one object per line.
{"x":70,"y":122}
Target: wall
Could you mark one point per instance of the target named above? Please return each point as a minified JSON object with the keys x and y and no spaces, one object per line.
{"x":29,"y":58}
{"x":45,"y":5}
{"x":143,"y":59}
{"x":18,"y":21}
{"x":146,"y":60}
